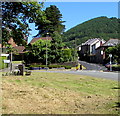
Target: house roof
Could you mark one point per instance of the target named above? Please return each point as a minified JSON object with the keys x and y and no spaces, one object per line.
{"x":43,"y":38}
{"x":91,"y":41}
{"x":0,"y":45}
{"x":20,"y":49}
{"x":112,"y":42}
{"x":11,"y":41}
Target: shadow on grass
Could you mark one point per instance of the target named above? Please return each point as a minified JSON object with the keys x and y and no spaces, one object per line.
{"x":117,"y":104}
{"x":116,"y":88}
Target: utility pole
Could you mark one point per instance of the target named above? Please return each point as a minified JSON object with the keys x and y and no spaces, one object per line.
{"x":46,"y":50}
{"x":75,"y":53}
{"x":110,"y":55}
{"x":11,"y":62}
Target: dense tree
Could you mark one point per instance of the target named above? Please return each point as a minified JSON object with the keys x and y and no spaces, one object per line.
{"x":101,"y":27}
{"x":67,"y":55}
{"x":15,"y":18}
{"x":56,"y":48}
{"x":37,"y":52}
{"x":53,"y":23}
{"x":115,"y":53}
{"x":55,"y":28}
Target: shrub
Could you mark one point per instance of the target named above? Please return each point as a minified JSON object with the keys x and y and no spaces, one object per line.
{"x":49,"y":66}
{"x":67,"y":67}
{"x":54,"y":66}
{"x":34,"y":66}
{"x":116,"y":67}
{"x":42,"y":66}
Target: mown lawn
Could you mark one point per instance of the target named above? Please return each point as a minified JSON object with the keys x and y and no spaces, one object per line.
{"x":57,"y":93}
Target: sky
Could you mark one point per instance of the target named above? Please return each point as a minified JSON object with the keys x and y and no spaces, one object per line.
{"x":75,"y":13}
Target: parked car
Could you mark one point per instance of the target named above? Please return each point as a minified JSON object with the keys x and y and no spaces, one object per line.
{"x":108,"y":64}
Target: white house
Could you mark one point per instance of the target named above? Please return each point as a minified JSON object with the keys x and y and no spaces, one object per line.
{"x":88,"y":49}
{"x":92,"y":45}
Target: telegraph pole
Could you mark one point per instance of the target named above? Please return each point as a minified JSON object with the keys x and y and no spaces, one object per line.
{"x":46,"y":50}
{"x":110,"y":55}
{"x":11,"y":62}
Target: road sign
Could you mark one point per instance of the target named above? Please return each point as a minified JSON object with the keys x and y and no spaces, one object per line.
{"x":101,"y":52}
{"x":6,"y":61}
{"x":5,"y":55}
{"x":110,"y":55}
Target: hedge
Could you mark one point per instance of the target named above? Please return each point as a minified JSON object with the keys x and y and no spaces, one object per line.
{"x":115,"y":68}
{"x":35,"y":67}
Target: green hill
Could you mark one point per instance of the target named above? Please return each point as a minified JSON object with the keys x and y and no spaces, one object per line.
{"x":101,"y":27}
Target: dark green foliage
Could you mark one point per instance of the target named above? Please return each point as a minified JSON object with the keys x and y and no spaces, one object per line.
{"x":55,"y":54}
{"x":37,"y":52}
{"x":68,"y":67}
{"x":54,"y":27}
{"x":55,"y":66}
{"x":67,"y":55}
{"x":56,"y":48}
{"x":50,"y":66}
{"x":15,"y":18}
{"x":116,"y":67}
{"x":101,"y":27}
{"x":36,"y":65}
{"x":53,"y":23}
{"x":115,"y":51}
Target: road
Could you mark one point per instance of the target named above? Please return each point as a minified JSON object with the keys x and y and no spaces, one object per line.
{"x":94,"y":71}
{"x":98,"y":74}
{"x":92,"y":66}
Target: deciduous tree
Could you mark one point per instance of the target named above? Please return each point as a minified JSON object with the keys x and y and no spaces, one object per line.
{"x":15,"y":18}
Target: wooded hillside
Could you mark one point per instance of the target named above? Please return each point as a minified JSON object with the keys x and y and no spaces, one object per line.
{"x":101,"y":27}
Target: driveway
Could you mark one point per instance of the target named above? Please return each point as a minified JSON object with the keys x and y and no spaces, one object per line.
{"x":92,"y":66}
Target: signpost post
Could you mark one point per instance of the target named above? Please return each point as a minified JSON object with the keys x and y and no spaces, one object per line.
{"x":46,"y":54}
{"x":110,"y":55}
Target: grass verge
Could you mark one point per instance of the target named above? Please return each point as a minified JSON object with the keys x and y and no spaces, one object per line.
{"x":53,"y":93}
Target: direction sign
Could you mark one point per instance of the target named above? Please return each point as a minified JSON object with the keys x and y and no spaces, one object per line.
{"x":6,"y":61}
{"x":110,"y":55}
{"x":5,"y":55}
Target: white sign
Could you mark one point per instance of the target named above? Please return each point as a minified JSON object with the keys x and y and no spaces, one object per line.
{"x":101,"y":52}
{"x":110,"y":55}
{"x":5,"y":55}
{"x":6,"y":61}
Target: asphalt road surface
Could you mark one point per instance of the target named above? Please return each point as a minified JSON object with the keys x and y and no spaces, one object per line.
{"x":92,"y":66}
{"x":98,"y":74}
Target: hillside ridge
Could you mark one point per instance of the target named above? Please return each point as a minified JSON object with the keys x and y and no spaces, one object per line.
{"x":100,"y":27}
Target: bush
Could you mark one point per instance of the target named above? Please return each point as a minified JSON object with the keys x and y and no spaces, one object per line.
{"x":34,"y":66}
{"x":67,"y":67}
{"x":37,"y":66}
{"x":116,"y":67}
{"x":54,"y":66}
{"x":42,"y":66}
{"x":50,"y":66}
